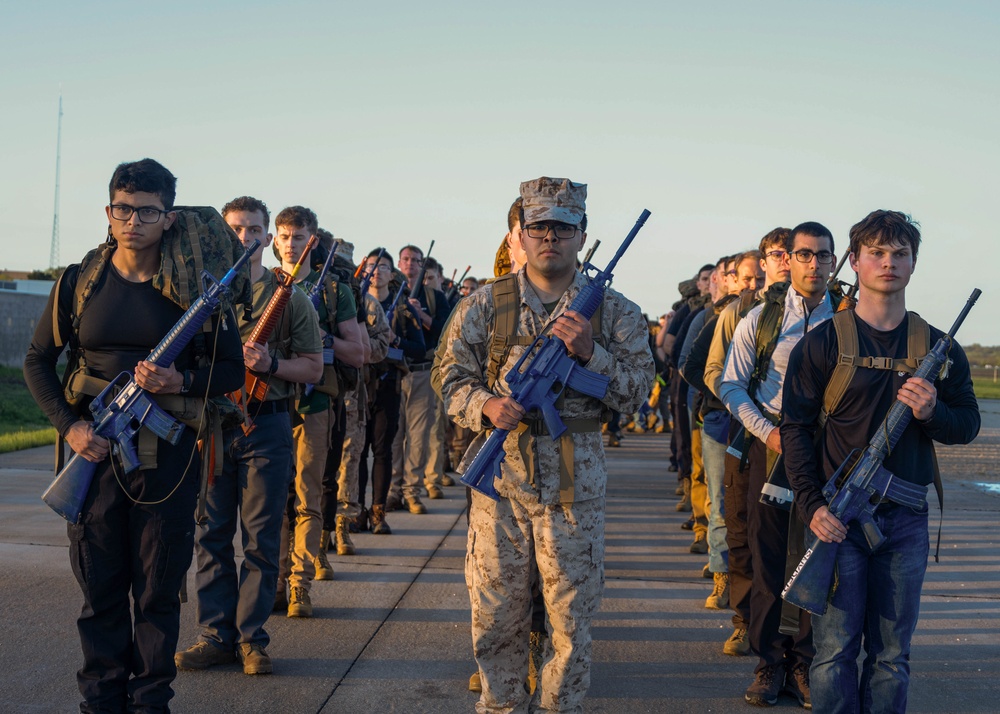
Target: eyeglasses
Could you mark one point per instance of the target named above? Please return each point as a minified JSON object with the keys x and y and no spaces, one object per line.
{"x":147,"y":214}
{"x":562,"y":231}
{"x":806,"y":256}
{"x":776,"y":255}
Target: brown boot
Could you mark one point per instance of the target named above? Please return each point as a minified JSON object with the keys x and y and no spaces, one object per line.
{"x":324,"y":571}
{"x":379,"y":524}
{"x":684,"y":505}
{"x":345,"y":546}
{"x":536,"y":655}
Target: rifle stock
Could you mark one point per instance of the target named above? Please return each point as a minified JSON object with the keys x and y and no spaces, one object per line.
{"x":120,"y":418}
{"x":541,"y":374}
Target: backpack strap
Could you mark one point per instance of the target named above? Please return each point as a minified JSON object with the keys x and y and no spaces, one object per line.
{"x":768,"y":331}
{"x":506,"y":304}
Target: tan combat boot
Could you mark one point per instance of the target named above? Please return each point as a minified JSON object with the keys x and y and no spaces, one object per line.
{"x":345,"y":546}
{"x":324,"y":571}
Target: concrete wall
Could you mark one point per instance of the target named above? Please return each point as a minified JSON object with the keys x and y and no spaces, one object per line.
{"x":19,"y":313}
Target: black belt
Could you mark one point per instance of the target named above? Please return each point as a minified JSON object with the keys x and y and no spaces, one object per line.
{"x":421,"y":366}
{"x":277,"y":406}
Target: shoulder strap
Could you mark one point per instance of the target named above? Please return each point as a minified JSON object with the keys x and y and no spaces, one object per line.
{"x":505,"y":309}
{"x":843,"y":372}
{"x":768,"y":331}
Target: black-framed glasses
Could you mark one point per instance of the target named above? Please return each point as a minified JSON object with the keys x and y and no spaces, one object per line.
{"x":562,"y":231}
{"x":776,"y":254}
{"x":147,"y":214}
{"x":805,"y":256}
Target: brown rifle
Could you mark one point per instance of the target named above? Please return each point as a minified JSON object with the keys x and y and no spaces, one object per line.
{"x":257,"y":384}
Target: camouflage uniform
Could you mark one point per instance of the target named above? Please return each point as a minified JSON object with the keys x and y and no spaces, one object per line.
{"x":549,"y":520}
{"x":355,"y":407}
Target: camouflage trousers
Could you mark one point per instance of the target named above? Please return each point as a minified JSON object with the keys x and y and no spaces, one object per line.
{"x":356,"y":415}
{"x":511,"y":544}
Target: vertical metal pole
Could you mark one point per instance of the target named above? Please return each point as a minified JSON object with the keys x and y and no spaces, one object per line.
{"x":54,"y":248}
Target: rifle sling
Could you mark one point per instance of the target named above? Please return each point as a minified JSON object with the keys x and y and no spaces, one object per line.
{"x":536,"y":428}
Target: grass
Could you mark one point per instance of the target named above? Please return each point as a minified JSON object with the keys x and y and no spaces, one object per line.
{"x":986,"y":388}
{"x":22,"y":424}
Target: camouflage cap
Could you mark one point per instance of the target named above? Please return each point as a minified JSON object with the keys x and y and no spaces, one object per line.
{"x":554,"y":199}
{"x":346,"y":250}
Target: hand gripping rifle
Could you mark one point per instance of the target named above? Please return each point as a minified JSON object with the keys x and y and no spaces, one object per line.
{"x":118,"y":418}
{"x":543,"y":372}
{"x":256,"y":386}
{"x":860,"y":484}
{"x":395,"y":353}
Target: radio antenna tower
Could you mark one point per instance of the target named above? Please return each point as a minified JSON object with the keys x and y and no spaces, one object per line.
{"x":54,"y":249}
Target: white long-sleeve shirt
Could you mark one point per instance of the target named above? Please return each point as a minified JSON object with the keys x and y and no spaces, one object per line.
{"x":742,"y":357}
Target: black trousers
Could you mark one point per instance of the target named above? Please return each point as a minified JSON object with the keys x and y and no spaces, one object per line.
{"x":681,"y":435}
{"x":383,"y":421}
{"x":767,"y":531}
{"x":121,"y":548}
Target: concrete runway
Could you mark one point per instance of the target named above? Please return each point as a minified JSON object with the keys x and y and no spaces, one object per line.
{"x":391,"y":632}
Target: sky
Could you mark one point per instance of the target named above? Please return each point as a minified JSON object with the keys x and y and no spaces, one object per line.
{"x":410,"y":122}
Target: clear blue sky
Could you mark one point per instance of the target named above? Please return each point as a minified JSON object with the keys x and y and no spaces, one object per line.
{"x":406,"y":122}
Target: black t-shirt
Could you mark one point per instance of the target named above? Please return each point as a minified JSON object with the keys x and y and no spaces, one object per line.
{"x":865,"y":403}
{"x":120,"y":325}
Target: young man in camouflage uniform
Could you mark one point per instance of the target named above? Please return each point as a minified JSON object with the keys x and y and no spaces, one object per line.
{"x":234,"y":603}
{"x":549,"y":520}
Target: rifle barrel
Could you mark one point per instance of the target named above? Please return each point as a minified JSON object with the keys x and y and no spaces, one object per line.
{"x":965,"y":311}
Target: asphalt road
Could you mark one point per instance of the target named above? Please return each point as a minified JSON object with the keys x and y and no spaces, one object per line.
{"x":391,"y":632}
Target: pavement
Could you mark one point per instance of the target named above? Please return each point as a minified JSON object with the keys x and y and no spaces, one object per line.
{"x":391,"y":631}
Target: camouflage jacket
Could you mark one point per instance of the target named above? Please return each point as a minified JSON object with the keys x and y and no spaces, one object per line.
{"x":627,"y":361}
{"x":379,"y":333}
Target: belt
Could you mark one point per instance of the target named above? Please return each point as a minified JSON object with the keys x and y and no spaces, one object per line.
{"x":536,"y":427}
{"x":421,"y":366}
{"x":276,"y":406}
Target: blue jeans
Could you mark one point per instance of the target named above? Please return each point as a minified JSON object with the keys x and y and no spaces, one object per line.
{"x":876,"y":603}
{"x":713,"y":455}
{"x":251,"y":490}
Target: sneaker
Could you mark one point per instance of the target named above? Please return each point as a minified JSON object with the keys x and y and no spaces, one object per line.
{"x":447,"y":480}
{"x":345,"y":546}
{"x":255,"y":659}
{"x":299,"y":605}
{"x":766,"y":686}
{"x":433,"y":492}
{"x":699,"y":545}
{"x":379,"y":524}
{"x":719,"y":599}
{"x":797,"y":685}
{"x":475,"y":683}
{"x":414,"y":505}
{"x":738,"y":644}
{"x":202,"y":655}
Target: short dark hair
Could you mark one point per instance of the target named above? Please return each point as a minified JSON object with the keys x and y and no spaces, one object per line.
{"x":432,"y":264}
{"x":514,"y":214}
{"x":778,"y":236}
{"x":298,"y":217}
{"x":387,"y":255}
{"x":248,"y":204}
{"x":721,"y":262}
{"x":814,"y":229}
{"x":708,"y":266}
{"x":146,"y":176}
{"x":883,"y":227}
{"x":412,"y":249}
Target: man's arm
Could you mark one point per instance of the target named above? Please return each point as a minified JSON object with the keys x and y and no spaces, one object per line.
{"x":463,"y":362}
{"x":723,"y":335}
{"x":739,"y":366}
{"x":802,"y":399}
{"x":693,"y":368}
{"x":956,"y":418}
